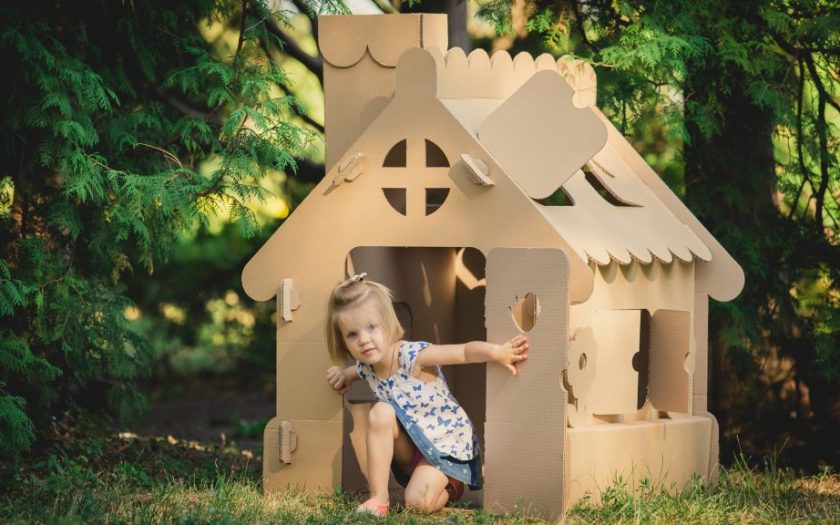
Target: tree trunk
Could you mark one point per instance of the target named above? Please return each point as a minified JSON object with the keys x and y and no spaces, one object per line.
{"x":730,"y":186}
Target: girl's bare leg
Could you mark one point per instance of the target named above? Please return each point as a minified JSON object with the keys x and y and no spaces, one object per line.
{"x":426,"y":492}
{"x":385,"y":441}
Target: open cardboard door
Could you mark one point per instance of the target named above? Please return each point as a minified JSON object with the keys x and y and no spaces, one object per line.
{"x":527,"y":292}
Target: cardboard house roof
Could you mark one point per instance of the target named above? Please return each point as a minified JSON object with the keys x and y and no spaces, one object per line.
{"x":533,"y":127}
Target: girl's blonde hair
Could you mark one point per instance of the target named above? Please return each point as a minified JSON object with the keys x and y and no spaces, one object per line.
{"x":352,"y":293}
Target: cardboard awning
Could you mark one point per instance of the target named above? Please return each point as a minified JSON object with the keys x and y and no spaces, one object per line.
{"x":631,"y":223}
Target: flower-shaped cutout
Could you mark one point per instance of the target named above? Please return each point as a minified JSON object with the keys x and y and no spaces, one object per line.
{"x":582,"y":363}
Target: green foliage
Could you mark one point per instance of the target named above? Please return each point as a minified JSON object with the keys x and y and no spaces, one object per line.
{"x":115,"y":108}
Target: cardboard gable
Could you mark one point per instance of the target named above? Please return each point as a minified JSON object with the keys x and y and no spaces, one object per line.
{"x":399,"y":199}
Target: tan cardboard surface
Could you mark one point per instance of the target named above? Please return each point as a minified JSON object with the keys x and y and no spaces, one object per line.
{"x":480,"y":76}
{"x":615,"y":386}
{"x":526,"y":470}
{"x":603,"y":232}
{"x":302,"y":390}
{"x":540,"y":137}
{"x":357,"y":213}
{"x":360,"y":53}
{"x":581,"y":371}
{"x":587,"y":255}
{"x":723,"y":278}
{"x":344,"y":39}
{"x":635,"y":287}
{"x":666,"y":451}
{"x":316,"y":463}
{"x":515,"y":403}
{"x":670,"y":345}
{"x":700,"y":380}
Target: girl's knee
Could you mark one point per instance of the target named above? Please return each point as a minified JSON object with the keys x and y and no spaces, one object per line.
{"x":424,"y":503}
{"x":381,"y":415}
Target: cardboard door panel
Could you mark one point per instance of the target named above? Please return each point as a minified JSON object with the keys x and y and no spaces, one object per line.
{"x":671,"y":360}
{"x":615,"y":389}
{"x":534,"y":398}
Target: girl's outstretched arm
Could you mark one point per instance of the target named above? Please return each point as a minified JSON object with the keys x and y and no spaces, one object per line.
{"x":508,"y":354}
{"x":341,"y":378}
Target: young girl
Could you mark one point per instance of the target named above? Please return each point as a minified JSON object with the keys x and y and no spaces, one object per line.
{"x":417,"y":427}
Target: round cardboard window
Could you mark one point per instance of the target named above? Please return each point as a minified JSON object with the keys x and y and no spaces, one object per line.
{"x":525,"y":311}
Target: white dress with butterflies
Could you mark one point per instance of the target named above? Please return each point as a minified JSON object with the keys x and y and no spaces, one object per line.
{"x":430,"y":414}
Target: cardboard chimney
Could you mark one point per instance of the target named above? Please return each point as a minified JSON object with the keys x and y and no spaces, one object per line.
{"x":438,"y":164}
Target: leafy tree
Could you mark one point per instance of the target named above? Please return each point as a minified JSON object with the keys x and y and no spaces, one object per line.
{"x":748,"y":95}
{"x":124,"y":129}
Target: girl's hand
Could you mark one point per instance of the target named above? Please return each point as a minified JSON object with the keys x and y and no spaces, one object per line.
{"x":512,"y":353}
{"x":337,"y":380}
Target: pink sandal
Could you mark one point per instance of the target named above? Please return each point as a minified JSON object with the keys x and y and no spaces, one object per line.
{"x":373,"y":506}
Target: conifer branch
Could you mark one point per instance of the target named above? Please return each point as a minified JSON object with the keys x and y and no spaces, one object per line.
{"x":188,"y":110}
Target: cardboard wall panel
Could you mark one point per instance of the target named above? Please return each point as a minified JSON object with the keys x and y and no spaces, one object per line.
{"x":302,"y":390}
{"x":360,"y":55}
{"x":700,"y":382}
{"x":668,"y":452}
{"x":316,"y":463}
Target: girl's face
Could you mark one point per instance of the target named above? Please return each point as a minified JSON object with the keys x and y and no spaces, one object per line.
{"x":363,"y":334}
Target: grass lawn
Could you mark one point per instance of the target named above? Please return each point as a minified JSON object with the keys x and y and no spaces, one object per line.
{"x":95,"y":477}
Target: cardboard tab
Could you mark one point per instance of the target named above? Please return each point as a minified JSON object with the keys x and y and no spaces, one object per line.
{"x":288,"y":442}
{"x":288,"y":299}
{"x":350,"y":169}
{"x":477,"y":170}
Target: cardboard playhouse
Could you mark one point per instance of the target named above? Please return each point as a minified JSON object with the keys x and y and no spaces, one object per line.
{"x":439,"y":165}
